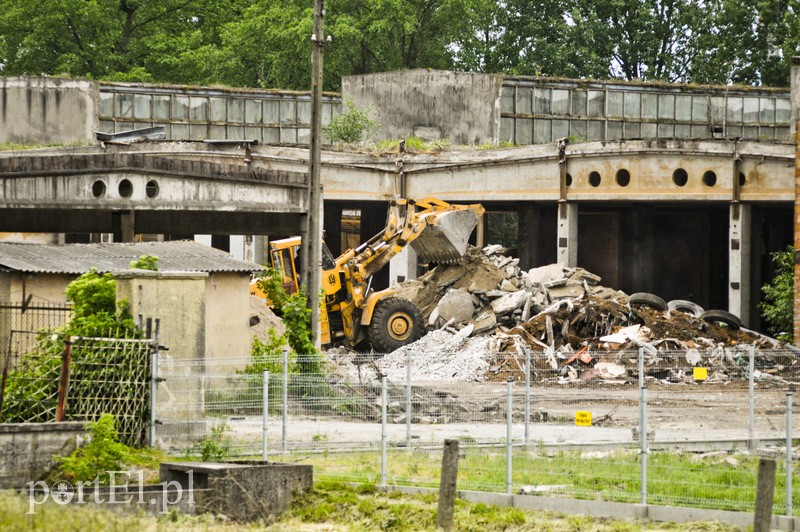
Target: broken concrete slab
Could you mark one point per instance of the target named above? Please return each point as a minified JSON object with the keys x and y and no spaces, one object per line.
{"x":545,"y":274}
{"x":509,"y":303}
{"x":485,"y":321}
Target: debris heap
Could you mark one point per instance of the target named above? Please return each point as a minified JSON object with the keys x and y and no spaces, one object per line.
{"x":487,"y":306}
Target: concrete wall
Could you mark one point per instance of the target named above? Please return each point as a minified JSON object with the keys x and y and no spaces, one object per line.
{"x":26,"y":449}
{"x":227,"y":319}
{"x":177,"y":299}
{"x":37,"y":110}
{"x":43,"y":287}
{"x":462,"y":107}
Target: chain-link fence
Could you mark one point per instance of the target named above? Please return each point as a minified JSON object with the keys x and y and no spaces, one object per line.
{"x":681,"y":428}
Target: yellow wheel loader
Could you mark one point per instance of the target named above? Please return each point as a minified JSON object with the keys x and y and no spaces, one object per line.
{"x":352,"y":311}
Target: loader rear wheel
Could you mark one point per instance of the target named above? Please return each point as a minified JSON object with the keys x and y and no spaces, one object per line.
{"x":396,"y":322}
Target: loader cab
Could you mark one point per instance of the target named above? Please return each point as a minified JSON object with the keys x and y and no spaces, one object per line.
{"x":285,"y":257}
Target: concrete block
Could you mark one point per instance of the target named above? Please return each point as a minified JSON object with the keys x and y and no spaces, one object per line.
{"x":242,"y":491}
{"x":456,"y":305}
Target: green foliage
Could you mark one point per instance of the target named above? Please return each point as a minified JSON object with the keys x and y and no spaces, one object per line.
{"x":32,"y":386}
{"x":145,"y":262}
{"x":104,"y":453}
{"x":271,"y":283}
{"x":217,"y":447}
{"x":502,"y":228}
{"x":777,"y":308}
{"x":351,"y":125}
{"x":264,"y":43}
{"x":268,"y":355}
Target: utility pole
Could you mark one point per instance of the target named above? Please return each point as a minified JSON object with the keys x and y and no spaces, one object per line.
{"x":311,"y":256}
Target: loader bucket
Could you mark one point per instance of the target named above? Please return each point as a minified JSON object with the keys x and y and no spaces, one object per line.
{"x":446,"y":237}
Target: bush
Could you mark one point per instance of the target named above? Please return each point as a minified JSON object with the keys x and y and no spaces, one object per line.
{"x":777,"y":309}
{"x":103,"y":454}
{"x":351,"y":125}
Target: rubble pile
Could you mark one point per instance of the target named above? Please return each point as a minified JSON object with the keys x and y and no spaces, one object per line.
{"x":582,"y":329}
{"x":489,"y":292}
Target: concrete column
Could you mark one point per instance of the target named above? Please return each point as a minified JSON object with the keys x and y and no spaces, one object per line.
{"x":237,"y":247}
{"x":740,"y":236}
{"x":403,"y":267}
{"x":528,"y":232}
{"x":567,"y":241}
{"x":203,"y":239}
{"x":796,"y":225}
{"x":795,"y":94}
{"x":123,"y":223}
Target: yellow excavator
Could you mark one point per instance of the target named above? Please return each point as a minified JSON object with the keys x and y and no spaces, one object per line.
{"x":352,"y":311}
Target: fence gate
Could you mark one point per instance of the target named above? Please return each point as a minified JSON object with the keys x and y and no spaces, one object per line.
{"x":47,"y":376}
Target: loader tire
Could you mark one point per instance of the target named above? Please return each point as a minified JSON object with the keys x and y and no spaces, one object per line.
{"x":646,"y":299}
{"x":687,"y":307}
{"x":396,"y":322}
{"x":722,"y":317}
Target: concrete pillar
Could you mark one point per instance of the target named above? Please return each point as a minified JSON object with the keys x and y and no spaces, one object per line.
{"x":123,"y":223}
{"x":567,"y":242}
{"x":528,"y":235}
{"x":403,"y":267}
{"x":237,"y":246}
{"x":740,"y":236}
{"x":203,"y":239}
{"x":795,"y":94}
{"x":796,"y":224}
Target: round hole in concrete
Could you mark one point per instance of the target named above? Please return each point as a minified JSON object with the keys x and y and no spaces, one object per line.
{"x":594,"y":179}
{"x":742,"y":179}
{"x":709,"y":179}
{"x":125,"y":188}
{"x":623,"y":177}
{"x":680,"y":177}
{"x":569,"y":180}
{"x":98,"y":189}
{"x":151,"y":189}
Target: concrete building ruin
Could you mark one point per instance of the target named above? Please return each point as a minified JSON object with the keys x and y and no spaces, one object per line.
{"x":679,"y":190}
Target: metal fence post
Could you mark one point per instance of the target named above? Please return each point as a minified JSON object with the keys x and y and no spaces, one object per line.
{"x":265,"y":413}
{"x":789,"y":463}
{"x":527,"y":393}
{"x":409,"y":412}
{"x":383,"y":431}
{"x":285,"y":398}
{"x":63,"y":379}
{"x":751,"y":396}
{"x":509,"y":449}
{"x":154,"y":383}
{"x":642,"y":428}
{"x":153,"y":392}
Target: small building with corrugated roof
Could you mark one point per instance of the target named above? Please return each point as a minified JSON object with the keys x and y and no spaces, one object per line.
{"x":199,"y":294}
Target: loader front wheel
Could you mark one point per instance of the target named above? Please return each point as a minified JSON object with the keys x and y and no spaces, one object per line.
{"x":396,"y":322}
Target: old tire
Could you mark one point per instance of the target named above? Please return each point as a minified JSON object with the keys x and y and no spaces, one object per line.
{"x":722,"y":317}
{"x":687,"y":307}
{"x":396,"y":322}
{"x":640,"y":299}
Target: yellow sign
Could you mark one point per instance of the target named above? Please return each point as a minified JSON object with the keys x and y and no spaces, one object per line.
{"x":700,"y":374}
{"x":583,"y":419}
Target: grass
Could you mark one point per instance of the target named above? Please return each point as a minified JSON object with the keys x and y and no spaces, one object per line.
{"x":331,"y":506}
{"x":11,"y":146}
{"x":682,"y":479}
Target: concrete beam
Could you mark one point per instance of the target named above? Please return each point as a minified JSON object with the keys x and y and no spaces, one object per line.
{"x":151,"y":222}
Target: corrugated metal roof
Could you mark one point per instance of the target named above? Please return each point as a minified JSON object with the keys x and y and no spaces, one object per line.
{"x":181,"y":256}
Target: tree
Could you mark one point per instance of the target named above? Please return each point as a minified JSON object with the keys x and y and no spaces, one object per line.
{"x":777,"y":308}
